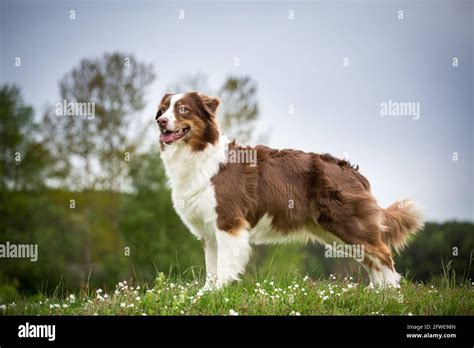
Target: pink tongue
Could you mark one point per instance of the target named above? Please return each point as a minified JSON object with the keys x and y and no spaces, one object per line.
{"x":167,"y":137}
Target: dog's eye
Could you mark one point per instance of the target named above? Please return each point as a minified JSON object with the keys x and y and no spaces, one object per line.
{"x":183,"y":109}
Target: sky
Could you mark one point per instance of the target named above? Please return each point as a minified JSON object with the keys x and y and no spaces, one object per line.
{"x":334,"y":63}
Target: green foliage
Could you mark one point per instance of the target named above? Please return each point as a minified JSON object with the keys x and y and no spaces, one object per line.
{"x":9,"y":292}
{"x":23,"y":157}
{"x":72,"y":243}
{"x":450,"y":242}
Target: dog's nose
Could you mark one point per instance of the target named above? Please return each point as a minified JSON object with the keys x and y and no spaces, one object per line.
{"x":162,"y":121}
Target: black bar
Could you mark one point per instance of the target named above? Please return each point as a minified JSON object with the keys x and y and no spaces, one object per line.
{"x":332,"y":330}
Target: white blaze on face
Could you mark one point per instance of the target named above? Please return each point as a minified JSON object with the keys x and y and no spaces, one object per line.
{"x":169,"y":113}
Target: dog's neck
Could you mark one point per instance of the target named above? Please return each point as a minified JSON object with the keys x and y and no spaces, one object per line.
{"x":188,"y":170}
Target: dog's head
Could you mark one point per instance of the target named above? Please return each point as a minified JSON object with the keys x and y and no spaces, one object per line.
{"x":188,"y":118}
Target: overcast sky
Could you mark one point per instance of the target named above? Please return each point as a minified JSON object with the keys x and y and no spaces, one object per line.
{"x":298,"y":62}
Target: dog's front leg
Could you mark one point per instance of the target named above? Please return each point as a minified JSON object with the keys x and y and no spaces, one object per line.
{"x":210,"y":251}
{"x":233,"y":252}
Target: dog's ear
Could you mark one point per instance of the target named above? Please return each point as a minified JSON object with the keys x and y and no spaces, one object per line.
{"x":211,"y":103}
{"x":208,"y":105}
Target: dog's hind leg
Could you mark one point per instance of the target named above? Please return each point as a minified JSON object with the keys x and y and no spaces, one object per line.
{"x":365,"y":230}
{"x":379,"y":264}
{"x":233,"y":253}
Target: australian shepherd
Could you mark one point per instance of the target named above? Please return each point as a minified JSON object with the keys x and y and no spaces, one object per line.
{"x":232,"y":196}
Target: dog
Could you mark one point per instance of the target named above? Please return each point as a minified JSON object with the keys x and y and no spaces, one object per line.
{"x":284,"y":195}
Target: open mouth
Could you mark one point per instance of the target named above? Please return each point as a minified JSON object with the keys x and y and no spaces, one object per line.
{"x":169,"y":137}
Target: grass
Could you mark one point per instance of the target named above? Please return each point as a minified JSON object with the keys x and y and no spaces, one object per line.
{"x":290,"y":295}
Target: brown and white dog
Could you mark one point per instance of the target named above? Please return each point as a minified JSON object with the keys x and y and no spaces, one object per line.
{"x":285,"y":195}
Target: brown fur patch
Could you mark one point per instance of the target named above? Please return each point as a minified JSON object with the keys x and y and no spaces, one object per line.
{"x":325,"y":192}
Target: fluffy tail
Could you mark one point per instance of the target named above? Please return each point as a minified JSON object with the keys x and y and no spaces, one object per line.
{"x":403,"y":218}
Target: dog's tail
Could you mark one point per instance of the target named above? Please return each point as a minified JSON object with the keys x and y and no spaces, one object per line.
{"x":402,"y":219}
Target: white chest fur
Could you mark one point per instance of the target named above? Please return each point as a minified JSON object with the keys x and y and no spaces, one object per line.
{"x":190,"y":175}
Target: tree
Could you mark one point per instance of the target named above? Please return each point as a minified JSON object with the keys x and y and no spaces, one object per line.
{"x":97,"y":145}
{"x":26,"y":214}
{"x":23,"y":157}
{"x":240,"y":107}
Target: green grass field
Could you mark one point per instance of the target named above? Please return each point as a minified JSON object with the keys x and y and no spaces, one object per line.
{"x":294,"y":295}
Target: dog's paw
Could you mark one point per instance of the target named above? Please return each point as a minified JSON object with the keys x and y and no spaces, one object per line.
{"x":208,"y":286}
{"x":211,"y":285}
